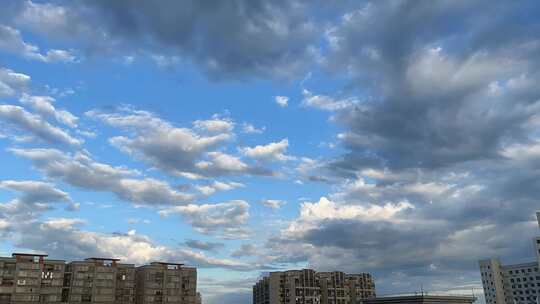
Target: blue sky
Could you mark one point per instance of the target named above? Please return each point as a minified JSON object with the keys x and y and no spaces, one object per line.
{"x":394,"y":137}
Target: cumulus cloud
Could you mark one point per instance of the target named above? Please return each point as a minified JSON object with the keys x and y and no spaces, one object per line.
{"x":35,"y":197}
{"x":35,"y":191}
{"x":251,"y":129}
{"x":203,"y":245}
{"x":215,"y":125}
{"x":36,"y":126}
{"x":271,"y":152}
{"x":44,"y":106}
{"x":265,"y":40}
{"x":245,"y":250}
{"x":325,"y":102}
{"x":63,"y":238}
{"x":427,"y":100}
{"x":11,"y":41}
{"x":12,"y":83}
{"x":178,"y":151}
{"x":82,"y":171}
{"x":273,"y":203}
{"x":282,"y":101}
{"x":218,"y":186}
{"x":227,"y":218}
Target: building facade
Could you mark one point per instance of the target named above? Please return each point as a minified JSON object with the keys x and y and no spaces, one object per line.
{"x":512,"y":284}
{"x":166,"y":283}
{"x":307,"y":286}
{"x":100,"y":280}
{"x":31,"y":278}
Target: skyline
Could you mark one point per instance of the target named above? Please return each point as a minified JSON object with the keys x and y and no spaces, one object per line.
{"x":398,"y":138}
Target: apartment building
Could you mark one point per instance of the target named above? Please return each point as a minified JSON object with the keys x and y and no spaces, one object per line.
{"x":166,"y":283}
{"x":307,"y":286}
{"x":359,"y":287}
{"x":332,"y":287}
{"x":512,"y":284}
{"x":100,"y":280}
{"x":28,"y":278}
{"x":31,"y":278}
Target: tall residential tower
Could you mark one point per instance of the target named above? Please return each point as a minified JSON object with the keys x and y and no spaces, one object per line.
{"x":307,"y":286}
{"x":512,"y":284}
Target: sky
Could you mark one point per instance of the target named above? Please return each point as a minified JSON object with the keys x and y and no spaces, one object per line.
{"x":400,"y":138}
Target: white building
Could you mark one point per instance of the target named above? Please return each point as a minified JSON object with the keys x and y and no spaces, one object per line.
{"x":512,"y":284}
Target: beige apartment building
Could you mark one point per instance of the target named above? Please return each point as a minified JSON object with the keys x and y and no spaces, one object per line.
{"x":512,"y":284}
{"x":31,"y":278}
{"x":307,"y":286}
{"x":166,"y":283}
{"x":100,"y":280}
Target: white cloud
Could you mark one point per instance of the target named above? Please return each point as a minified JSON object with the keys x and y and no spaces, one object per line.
{"x":245,"y":250}
{"x":270,"y":152}
{"x":215,"y":125}
{"x":251,"y":129}
{"x":45,"y":18}
{"x":36,"y":191}
{"x":311,"y":214}
{"x":134,"y":221}
{"x":82,"y":171}
{"x":325,"y":102}
{"x":282,"y":101}
{"x":11,"y":41}
{"x":218,"y":186}
{"x":12,"y":83}
{"x":44,"y":106}
{"x":35,"y":197}
{"x":61,"y":237}
{"x":178,"y":151}
{"x":226,"y":218}
{"x":36,"y":126}
{"x":272,"y":203}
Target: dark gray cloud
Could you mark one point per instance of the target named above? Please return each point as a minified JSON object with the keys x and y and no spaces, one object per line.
{"x":433,"y":88}
{"x":440,"y":113}
{"x":233,"y":39}
{"x":203,"y":245}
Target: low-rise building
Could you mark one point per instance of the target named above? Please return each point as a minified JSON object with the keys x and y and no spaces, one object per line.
{"x":422,"y":299}
{"x":31,"y":278}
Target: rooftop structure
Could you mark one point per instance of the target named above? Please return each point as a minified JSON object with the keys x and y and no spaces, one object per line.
{"x":422,"y":299}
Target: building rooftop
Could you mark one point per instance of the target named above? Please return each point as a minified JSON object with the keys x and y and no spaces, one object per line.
{"x":102,"y":259}
{"x":16,"y":254}
{"x":422,"y":298}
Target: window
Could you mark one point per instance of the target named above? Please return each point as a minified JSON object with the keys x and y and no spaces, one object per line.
{"x":86,"y":298}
